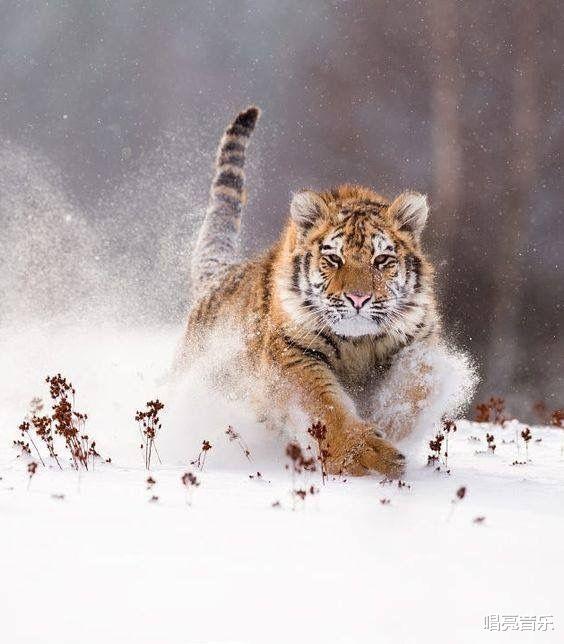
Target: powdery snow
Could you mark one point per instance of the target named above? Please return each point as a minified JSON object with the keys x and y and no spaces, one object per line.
{"x":106,"y":564}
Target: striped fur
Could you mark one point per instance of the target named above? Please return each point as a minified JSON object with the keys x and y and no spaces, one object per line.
{"x":306,"y":341}
{"x":217,"y":244}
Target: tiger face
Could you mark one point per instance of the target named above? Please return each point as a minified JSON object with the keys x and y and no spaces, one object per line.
{"x":357,"y":267}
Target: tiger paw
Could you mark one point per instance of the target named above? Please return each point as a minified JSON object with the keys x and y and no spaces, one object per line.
{"x":362,"y":452}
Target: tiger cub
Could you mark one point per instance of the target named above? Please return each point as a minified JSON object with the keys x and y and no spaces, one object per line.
{"x":325,"y":310}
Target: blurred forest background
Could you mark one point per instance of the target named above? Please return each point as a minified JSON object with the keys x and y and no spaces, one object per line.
{"x":110,"y":113}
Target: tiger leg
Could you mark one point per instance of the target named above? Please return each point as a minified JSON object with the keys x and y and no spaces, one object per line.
{"x":354,"y":446}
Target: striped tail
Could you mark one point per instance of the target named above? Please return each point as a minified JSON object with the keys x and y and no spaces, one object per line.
{"x":217,"y":244}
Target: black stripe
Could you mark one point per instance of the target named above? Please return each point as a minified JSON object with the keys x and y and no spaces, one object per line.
{"x":233,"y":146}
{"x":360,"y":233}
{"x":238,"y":129}
{"x":295,"y":362}
{"x":205,"y":308}
{"x":266,"y":276}
{"x":234,"y":202}
{"x":229,"y":179}
{"x":306,"y":224}
{"x":329,"y":340}
{"x":336,"y":193}
{"x":296,"y":270}
{"x":248,"y":117}
{"x":197,"y":314}
{"x":414,"y":266}
{"x":428,"y":334}
{"x":233,"y":282}
{"x":231,"y":159}
{"x":417,"y":271}
{"x":314,"y":354}
{"x":307,"y":263}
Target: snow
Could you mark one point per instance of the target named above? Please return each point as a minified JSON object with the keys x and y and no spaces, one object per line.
{"x":220,"y":564}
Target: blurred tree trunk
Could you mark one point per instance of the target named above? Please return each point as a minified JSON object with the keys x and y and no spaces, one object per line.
{"x":445,"y":96}
{"x":507,"y":348}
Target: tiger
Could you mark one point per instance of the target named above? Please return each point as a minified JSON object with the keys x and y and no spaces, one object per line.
{"x":326,"y":310}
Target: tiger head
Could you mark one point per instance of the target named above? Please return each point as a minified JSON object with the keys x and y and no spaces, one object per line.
{"x":355,"y":265}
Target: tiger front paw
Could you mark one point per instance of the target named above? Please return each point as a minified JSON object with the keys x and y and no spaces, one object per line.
{"x":360,"y":451}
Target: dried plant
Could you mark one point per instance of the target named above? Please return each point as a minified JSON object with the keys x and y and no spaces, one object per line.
{"x":302,"y":493}
{"x":546,"y":417}
{"x":23,"y":447}
{"x":150,"y":482}
{"x":200,"y":461}
{"x":318,"y":431}
{"x":541,"y":412}
{"x":482,"y":414}
{"x":189,"y":481}
{"x":298,"y":461}
{"x":479,"y":520}
{"x":448,"y":427}
{"x":31,"y":469}
{"x":24,"y":429}
{"x":401,"y":484}
{"x":232,"y":435}
{"x":149,"y":425}
{"x":460,"y":494}
{"x":385,"y":501}
{"x":36,"y":405}
{"x":258,"y":477}
{"x":64,"y":421}
{"x":435,"y":445}
{"x":43,"y":429}
{"x":490,"y":438}
{"x":526,"y":436}
{"x":492,"y":411}
{"x":69,"y":423}
{"x":557,"y":418}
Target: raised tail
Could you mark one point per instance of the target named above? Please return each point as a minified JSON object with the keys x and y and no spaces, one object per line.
{"x":217,"y":244}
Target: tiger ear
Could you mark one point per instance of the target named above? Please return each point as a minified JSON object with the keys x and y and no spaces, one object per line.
{"x":306,"y":208}
{"x":410,"y":211}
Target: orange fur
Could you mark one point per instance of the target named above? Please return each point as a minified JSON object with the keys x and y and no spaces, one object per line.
{"x":297,"y":358}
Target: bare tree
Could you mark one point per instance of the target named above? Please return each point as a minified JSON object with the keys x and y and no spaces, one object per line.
{"x":445,"y":97}
{"x":523,"y":162}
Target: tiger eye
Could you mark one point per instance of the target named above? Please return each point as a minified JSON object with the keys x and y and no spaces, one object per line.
{"x":385,"y":261}
{"x":335,"y":260}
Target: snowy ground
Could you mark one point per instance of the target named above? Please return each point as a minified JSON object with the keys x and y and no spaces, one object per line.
{"x":103,"y":563}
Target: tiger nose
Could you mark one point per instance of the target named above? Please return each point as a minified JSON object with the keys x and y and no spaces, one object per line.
{"x":358,"y":299}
